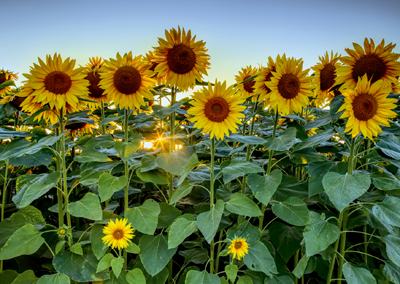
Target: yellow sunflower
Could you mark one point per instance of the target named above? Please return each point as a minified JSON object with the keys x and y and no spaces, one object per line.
{"x":6,"y":75}
{"x":118,"y":234}
{"x":13,"y":97}
{"x":92,"y":72}
{"x":79,"y":128}
{"x":324,"y":80}
{"x":378,"y":63}
{"x":181,"y":60}
{"x":238,"y":248}
{"x":290,"y":86}
{"x":217,"y":110}
{"x":127,"y":81}
{"x":57,"y":83}
{"x":367,"y":107}
{"x":246,"y":89}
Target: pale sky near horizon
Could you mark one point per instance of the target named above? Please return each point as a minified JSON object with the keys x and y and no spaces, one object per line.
{"x":237,"y":33}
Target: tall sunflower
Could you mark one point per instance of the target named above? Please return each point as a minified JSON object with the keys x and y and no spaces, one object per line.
{"x":377,"y":63}
{"x":324,"y":80}
{"x":246,"y":89}
{"x":217,"y":110}
{"x":57,"y":83}
{"x":127,"y":81}
{"x":181,"y":60}
{"x":367,"y":107}
{"x":92,"y":72}
{"x":290,"y":86}
{"x":6,"y":75}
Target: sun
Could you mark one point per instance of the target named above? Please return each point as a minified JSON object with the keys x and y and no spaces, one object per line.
{"x":180,"y":60}
{"x":290,"y":86}
{"x":377,"y":63}
{"x":246,"y":89}
{"x":238,"y":248}
{"x":217,"y":110}
{"x":92,"y":72}
{"x":367,"y":107}
{"x":126,"y":81}
{"x":118,"y":234}
{"x":324,"y":80}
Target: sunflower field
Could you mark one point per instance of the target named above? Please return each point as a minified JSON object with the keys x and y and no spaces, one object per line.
{"x":291,"y":175}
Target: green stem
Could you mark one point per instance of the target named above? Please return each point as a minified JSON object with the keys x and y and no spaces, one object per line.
{"x":103,"y":127}
{"x":126,"y":116}
{"x":342,"y":245}
{"x":171,"y":141}
{"x":212,"y":201}
{"x":365,"y":245}
{"x":59,"y":192}
{"x":335,"y":248}
{"x":3,"y":202}
{"x":296,"y":261}
{"x":221,"y":234}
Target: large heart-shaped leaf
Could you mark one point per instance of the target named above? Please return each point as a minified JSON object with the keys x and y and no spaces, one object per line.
{"x":208,"y":222}
{"x":263,"y":187}
{"x":88,"y":207}
{"x":294,"y":211}
{"x":242,"y":205}
{"x":109,"y":184}
{"x":144,"y":218}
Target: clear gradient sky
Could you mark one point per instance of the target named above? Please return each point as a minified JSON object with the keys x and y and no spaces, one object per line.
{"x":237,"y":33}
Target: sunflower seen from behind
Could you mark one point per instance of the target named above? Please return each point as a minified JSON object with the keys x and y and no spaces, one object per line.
{"x":238,"y":248}
{"x":367,"y":107}
{"x":290,"y":86}
{"x":378,"y":63}
{"x":217,"y":110}
{"x":180,"y":59}
{"x":119,"y":234}
{"x":246,"y":89}
{"x":6,"y":75}
{"x":126,"y":81}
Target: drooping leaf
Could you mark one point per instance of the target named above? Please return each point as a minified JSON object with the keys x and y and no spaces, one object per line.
{"x":109,"y":184}
{"x":264,"y":187}
{"x":294,"y":211}
{"x":248,"y":140}
{"x":387,"y":211}
{"x":183,"y":227}
{"x":208,"y":222}
{"x":127,"y":149}
{"x":162,"y":112}
{"x":283,"y":142}
{"x":91,"y":155}
{"x":317,"y":170}
{"x":306,"y":156}
{"x":105,"y":262}
{"x":238,"y":168}
{"x":144,"y":217}
{"x":191,"y":164}
{"x":389,"y":145}
{"x":88,"y":207}
{"x":300,"y":267}
{"x":175,"y":163}
{"x":41,"y":158}
{"x":183,"y":189}
{"x":135,"y":276}
{"x":155,"y":176}
{"x":168,"y":215}
{"x":314,"y":140}
{"x":286,"y":239}
{"x":242,"y":205}
{"x":195,"y":255}
{"x":26,"y":277}
{"x":385,"y":180}
{"x":392,"y":271}
{"x":357,"y":275}
{"x":260,"y":259}
{"x":8,"y":276}
{"x":98,"y":246}
{"x":393,"y":248}
{"x":231,"y":272}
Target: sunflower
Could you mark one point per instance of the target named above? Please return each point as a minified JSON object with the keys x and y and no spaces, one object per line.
{"x":6,"y":75}
{"x":246,"y":89}
{"x":290,"y":86}
{"x":92,"y":74}
{"x":118,"y":234}
{"x":324,"y":80}
{"x":181,"y":60}
{"x":127,"y":81}
{"x":216,"y":109}
{"x":367,"y":107}
{"x":77,"y":128}
{"x":378,"y":63}
{"x":238,"y":248}
{"x":57,"y":83}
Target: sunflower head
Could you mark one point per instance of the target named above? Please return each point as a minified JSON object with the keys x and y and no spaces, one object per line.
{"x":92,"y":74}
{"x":6,"y":75}
{"x":367,"y":107}
{"x":180,"y":59}
{"x":246,"y":89}
{"x":118,"y":234}
{"x":217,"y":110}
{"x":378,"y":63}
{"x":79,"y":127}
{"x":238,"y":248}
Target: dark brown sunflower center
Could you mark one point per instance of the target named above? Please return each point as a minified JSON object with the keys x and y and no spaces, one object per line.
{"x":181,"y":59}
{"x":118,"y":234}
{"x":153,"y":66}
{"x":238,"y":245}
{"x":216,"y":109}
{"x":371,"y":65}
{"x":57,"y":82}
{"x":327,"y":77}
{"x":94,"y":90}
{"x":17,"y":101}
{"x":248,"y":86}
{"x":364,"y":106}
{"x":75,"y":126}
{"x":2,"y":78}
{"x":267,"y":79}
{"x":127,"y":80}
{"x":289,"y":86}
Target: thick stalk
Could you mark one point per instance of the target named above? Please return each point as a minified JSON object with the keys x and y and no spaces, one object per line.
{"x":126,"y":116}
{"x":171,"y":141}
{"x":221,"y":234}
{"x":296,"y":261}
{"x":3,"y":202}
{"x":59,"y":193}
{"x":335,"y":248}
{"x":365,"y":245}
{"x":270,"y":153}
{"x":103,"y":127}
{"x":212,"y":201}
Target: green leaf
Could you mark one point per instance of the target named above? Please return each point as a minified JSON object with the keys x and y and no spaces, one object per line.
{"x":41,"y":158}
{"x":317,"y":170}
{"x":132,"y":248}
{"x":175,"y":163}
{"x":91,"y":155}
{"x":35,"y":189}
{"x":167,"y":215}
{"x":343,"y":189}
{"x":281,"y":279}
{"x":247,"y":140}
{"x":393,"y":248}
{"x":283,"y":142}
{"x":335,"y":104}
{"x":154,"y":176}
{"x":26,"y":240}
{"x":231,"y":271}
{"x":42,"y":143}
{"x":26,"y":277}
{"x":286,"y":239}
{"x":196,"y":255}
{"x":98,"y":246}
{"x":306,"y":156}
{"x":357,"y":275}
{"x":161,"y":277}
{"x":162,"y":112}
{"x":88,"y":207}
{"x":116,"y":265}
{"x":6,"y":84}
{"x":300,"y":267}
{"x":54,"y":279}
{"x":59,"y":246}
{"x":127,"y":149}
{"x":110,"y":118}
{"x":385,"y":180}
{"x":90,"y":176}
{"x":105,"y":141}
{"x":392,"y":271}
{"x":8,"y":276}
{"x":203,"y":277}
{"x":183,"y":189}
{"x":105,"y":262}
{"x":242,"y":205}
{"x":135,"y":276}
{"x":319,"y":234}
{"x":66,"y":263}
{"x":238,"y":168}
{"x":109,"y":184}
{"x":145,"y":217}
{"x":154,"y":253}
{"x":191,"y":164}
{"x":294,"y":211}
{"x":320,"y":121}
{"x":244,"y":280}
{"x":182,"y":228}
{"x":208,"y":222}
{"x":259,"y":258}
{"x":264,"y":187}
{"x":246,"y":231}
{"x":387,"y":211}
{"x":77,"y":249}
{"x":389,"y":145}
{"x":314,"y":140}
{"x":148,"y":163}
{"x":289,"y":187}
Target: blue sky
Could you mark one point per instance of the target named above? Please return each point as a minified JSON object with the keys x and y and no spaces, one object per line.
{"x":237,"y":33}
